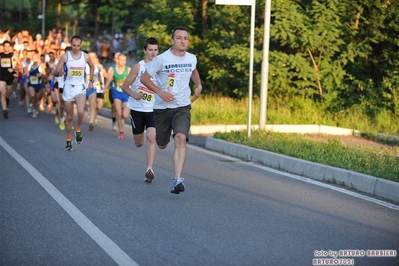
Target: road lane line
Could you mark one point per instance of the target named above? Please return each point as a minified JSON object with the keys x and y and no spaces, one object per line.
{"x":115,"y":252}
{"x":301,"y":178}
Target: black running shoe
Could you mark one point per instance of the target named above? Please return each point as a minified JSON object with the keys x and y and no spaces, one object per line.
{"x":78,"y":136}
{"x":5,"y":114}
{"x":178,"y":186}
{"x":68,"y":146}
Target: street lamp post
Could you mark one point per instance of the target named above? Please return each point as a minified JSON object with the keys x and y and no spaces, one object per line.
{"x":251,"y":59}
{"x":265,"y":67}
{"x":43,"y":18}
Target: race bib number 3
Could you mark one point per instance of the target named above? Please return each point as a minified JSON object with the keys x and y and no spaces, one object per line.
{"x":170,"y":82}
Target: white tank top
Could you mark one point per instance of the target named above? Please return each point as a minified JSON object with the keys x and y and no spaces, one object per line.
{"x":145,"y":104}
{"x":75,"y":70}
{"x":60,"y":81}
{"x":96,"y":76}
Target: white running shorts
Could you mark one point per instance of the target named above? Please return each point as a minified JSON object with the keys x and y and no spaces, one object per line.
{"x":71,"y":91}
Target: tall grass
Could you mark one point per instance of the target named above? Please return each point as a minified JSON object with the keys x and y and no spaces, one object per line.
{"x":211,"y":110}
{"x":208,"y":110}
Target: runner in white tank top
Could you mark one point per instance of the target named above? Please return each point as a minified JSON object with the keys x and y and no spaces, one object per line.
{"x":59,"y":90}
{"x":91,"y":95}
{"x":141,"y":102}
{"x":76,"y":69}
{"x":74,"y":86}
{"x":146,"y":101}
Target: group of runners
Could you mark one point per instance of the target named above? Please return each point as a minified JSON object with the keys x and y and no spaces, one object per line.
{"x":154,"y":93}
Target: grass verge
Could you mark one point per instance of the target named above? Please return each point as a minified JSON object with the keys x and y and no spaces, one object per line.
{"x":334,"y":153}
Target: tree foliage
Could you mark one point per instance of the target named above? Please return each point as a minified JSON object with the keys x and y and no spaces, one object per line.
{"x":331,"y":54}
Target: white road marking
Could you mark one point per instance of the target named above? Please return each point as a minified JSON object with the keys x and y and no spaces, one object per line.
{"x":115,"y":252}
{"x":301,"y":178}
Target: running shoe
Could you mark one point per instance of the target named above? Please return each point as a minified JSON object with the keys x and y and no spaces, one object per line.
{"x":49,"y":109}
{"x":91,"y":126}
{"x":41,"y":107}
{"x":56,"y":120}
{"x":30,"y":109}
{"x":78,"y":136}
{"x":62,"y":124}
{"x":177,"y":186}
{"x":95,"y":122}
{"x":114,"y":125}
{"x":5,"y":114}
{"x":34,"y":115}
{"x":14,"y":95}
{"x":54,"y":110}
{"x":121,"y":135}
{"x":68,"y":146}
{"x":149,"y":176}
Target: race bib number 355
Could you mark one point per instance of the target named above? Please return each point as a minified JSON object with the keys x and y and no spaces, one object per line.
{"x":76,"y":72}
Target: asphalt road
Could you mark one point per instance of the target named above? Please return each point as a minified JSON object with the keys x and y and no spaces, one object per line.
{"x":91,"y":206}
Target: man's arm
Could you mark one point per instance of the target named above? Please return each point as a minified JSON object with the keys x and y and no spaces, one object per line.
{"x":110,"y":78}
{"x":91,"y":65}
{"x":103,"y":71}
{"x":129,"y":80}
{"x":58,"y":67}
{"x":146,"y":80}
{"x":195,"y":77}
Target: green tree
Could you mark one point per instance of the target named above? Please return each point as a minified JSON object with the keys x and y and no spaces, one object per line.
{"x":328,"y":54}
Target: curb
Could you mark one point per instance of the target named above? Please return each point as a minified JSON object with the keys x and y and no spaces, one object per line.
{"x":361,"y":182}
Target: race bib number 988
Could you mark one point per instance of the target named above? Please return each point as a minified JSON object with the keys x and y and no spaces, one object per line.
{"x":146,"y":93}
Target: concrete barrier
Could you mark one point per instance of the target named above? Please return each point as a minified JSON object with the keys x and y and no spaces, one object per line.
{"x":364,"y":183}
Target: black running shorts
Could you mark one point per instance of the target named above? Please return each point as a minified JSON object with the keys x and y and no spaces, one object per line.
{"x":141,"y":121}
